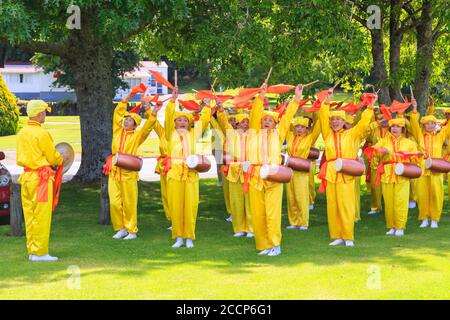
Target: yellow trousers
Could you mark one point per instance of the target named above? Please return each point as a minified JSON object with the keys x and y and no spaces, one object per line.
{"x":38,"y":217}
{"x":430,"y":196}
{"x":123,"y":200}
{"x":163,"y":184}
{"x":183,"y":197}
{"x":266,"y":214}
{"x":375,"y":193}
{"x":396,"y":199}
{"x":240,"y":208}
{"x":412,"y":190}
{"x":341,"y":209}
{"x":357,"y":198}
{"x":312,"y":183}
{"x":226,"y":194}
{"x":298,"y":199}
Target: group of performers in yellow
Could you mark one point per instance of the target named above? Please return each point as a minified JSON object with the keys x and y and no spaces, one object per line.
{"x":250,"y":141}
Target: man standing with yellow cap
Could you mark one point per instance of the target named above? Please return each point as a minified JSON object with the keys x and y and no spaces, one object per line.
{"x":122,"y":183}
{"x":37,"y":154}
{"x":430,"y":186}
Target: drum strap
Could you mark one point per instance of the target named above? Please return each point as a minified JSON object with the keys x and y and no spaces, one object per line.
{"x":323,"y":173}
{"x":380,"y":171}
{"x":108,"y":165}
{"x":248,"y":175}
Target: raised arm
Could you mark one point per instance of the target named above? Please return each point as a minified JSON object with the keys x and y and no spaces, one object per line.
{"x":257,"y":109}
{"x":169,"y":124}
{"x":361,"y":128}
{"x":285,"y":122}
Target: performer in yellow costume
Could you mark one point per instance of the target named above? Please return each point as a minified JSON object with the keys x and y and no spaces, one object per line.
{"x":236,"y":141}
{"x":299,"y":142}
{"x":182,"y":182}
{"x":377,"y":131}
{"x":430,"y":186}
{"x":395,"y":188}
{"x":37,"y":154}
{"x":122,"y":183}
{"x":159,"y":169}
{"x":264,"y":147}
{"x":340,"y":188}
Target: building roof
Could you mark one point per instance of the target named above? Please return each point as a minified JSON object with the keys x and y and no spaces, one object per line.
{"x":152,"y":64}
{"x":20,"y":67}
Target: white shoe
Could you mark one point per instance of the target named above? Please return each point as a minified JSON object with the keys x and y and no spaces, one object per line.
{"x":391,"y":232}
{"x":311,"y":207}
{"x":219,"y":184}
{"x":275,"y":251}
{"x":120,"y":234}
{"x":264,"y":252}
{"x":434,"y":224}
{"x":47,"y":257}
{"x":239,"y":234}
{"x":291,"y":227}
{"x":229,"y":219}
{"x":337,"y":242}
{"x":169,"y":228}
{"x":412,"y":204}
{"x":178,"y":243}
{"x":303,"y":228}
{"x":424,"y":223}
{"x":371,"y":212}
{"x":130,"y":236}
{"x":250,"y":235}
{"x":399,"y":232}
{"x":349,"y":243}
{"x":189,"y":243}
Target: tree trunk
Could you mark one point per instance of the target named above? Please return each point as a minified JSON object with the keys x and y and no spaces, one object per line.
{"x":395,"y":40}
{"x":91,"y":64}
{"x":424,"y":57}
{"x":16,"y":213}
{"x":105,"y":217}
{"x":379,"y":66}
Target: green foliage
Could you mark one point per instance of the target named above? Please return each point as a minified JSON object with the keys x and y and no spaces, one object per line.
{"x":9,"y":112}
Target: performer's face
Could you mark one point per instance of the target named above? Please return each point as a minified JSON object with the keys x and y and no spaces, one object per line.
{"x":336,"y":123}
{"x":232,"y":122}
{"x":268,"y":122}
{"x":128,"y":123}
{"x":244,"y":124}
{"x":447,"y":116}
{"x":429,"y":126}
{"x":41,"y":117}
{"x":182,"y":123}
{"x":300,"y":130}
{"x":396,"y":131}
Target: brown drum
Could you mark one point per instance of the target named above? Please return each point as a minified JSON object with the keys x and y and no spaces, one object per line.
{"x":198,"y":162}
{"x":297,"y":164}
{"x":314,"y":154}
{"x":275,"y":173}
{"x":437,"y":165}
{"x":127,"y":162}
{"x":408,"y":170}
{"x":350,"y":167}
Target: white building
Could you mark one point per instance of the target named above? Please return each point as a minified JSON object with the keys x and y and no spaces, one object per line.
{"x":27,"y":81}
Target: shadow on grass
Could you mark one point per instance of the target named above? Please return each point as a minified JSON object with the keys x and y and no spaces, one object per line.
{"x":78,"y":239}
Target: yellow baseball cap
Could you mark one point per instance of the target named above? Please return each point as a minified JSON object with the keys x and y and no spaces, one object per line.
{"x":302,"y":121}
{"x":34,"y":107}
{"x":338,"y":114}
{"x":397,"y":122}
{"x":272,"y":114}
{"x":137,"y":118}
{"x":429,"y":118}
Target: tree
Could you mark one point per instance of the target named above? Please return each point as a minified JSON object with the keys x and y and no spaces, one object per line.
{"x":9,"y":112}
{"x":84,"y":37}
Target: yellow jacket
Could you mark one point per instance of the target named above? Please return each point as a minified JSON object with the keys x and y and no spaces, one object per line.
{"x":160,"y":131}
{"x":343,"y":144}
{"x":264,"y":146}
{"x":35,"y":149}
{"x":182,"y":144}
{"x":432,"y":144}
{"x":299,"y":146}
{"x":128,"y":141}
{"x":394,"y":145}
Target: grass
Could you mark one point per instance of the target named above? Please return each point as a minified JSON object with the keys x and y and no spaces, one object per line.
{"x":220,"y":266}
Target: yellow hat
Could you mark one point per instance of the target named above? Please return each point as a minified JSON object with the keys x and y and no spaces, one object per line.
{"x":427,"y":119}
{"x":339,"y":114}
{"x":137,"y":118}
{"x":188,"y":115}
{"x":447,"y":110}
{"x":380,"y":116}
{"x":300,"y":121}
{"x":242,"y":116}
{"x":397,"y":122}
{"x":274,"y":115}
{"x":34,"y":107}
{"x":349,"y":119}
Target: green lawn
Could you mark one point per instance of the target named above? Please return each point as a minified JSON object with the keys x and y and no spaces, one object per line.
{"x":416,"y":266}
